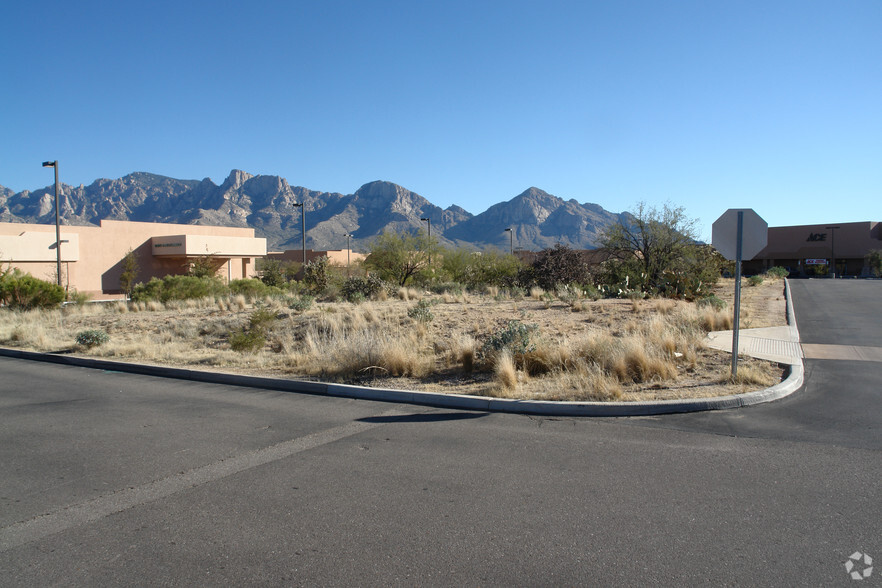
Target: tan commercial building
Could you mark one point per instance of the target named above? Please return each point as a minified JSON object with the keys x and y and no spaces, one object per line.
{"x":340,"y":257}
{"x":92,"y":257}
{"x":806,"y":250}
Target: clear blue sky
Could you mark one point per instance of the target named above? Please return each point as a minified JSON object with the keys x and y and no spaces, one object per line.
{"x":710,"y":105}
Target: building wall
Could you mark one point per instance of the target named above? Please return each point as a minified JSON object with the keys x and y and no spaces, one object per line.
{"x":335,"y":256}
{"x":92,"y":259}
{"x":792,"y":246}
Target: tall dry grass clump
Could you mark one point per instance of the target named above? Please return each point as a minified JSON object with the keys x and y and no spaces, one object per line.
{"x":505,"y":371}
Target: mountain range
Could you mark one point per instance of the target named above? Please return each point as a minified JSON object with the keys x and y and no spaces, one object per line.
{"x":267,"y":204}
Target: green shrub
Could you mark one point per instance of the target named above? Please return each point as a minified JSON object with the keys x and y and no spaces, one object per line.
{"x":712,"y":301}
{"x":302,"y":303}
{"x":253,"y":338}
{"x":515,"y":336}
{"x":262,"y":318}
{"x":754,"y":280}
{"x":247,"y":340}
{"x":92,"y":338}
{"x":78,"y":298}
{"x":874,"y":261}
{"x":454,"y":288}
{"x":315,"y":274}
{"x":421,"y":312}
{"x":361,"y":288}
{"x":777,"y":272}
{"x":179,"y":288}
{"x":591,"y":291}
{"x":252,"y":288}
{"x":21,"y":291}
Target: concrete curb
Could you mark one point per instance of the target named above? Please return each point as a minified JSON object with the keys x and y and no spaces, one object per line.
{"x":792,"y":383}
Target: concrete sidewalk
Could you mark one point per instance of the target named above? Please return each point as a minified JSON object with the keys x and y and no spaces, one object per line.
{"x":780,"y":344}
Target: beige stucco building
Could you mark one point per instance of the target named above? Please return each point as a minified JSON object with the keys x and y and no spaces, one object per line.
{"x":92,"y":257}
{"x":340,"y":257}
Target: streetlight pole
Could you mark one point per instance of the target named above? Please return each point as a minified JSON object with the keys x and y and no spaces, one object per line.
{"x":302,"y":229}
{"x":54,"y":164}
{"x":510,"y":241}
{"x":428,"y":222}
{"x":833,"y":247}
{"x":348,"y":250}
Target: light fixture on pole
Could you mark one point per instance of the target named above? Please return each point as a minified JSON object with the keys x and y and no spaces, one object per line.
{"x":833,"y":247}
{"x":348,"y":250}
{"x":57,"y":222}
{"x":510,"y":240}
{"x":302,"y":229}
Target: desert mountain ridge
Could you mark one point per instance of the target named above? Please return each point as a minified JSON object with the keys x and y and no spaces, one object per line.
{"x":266,"y":203}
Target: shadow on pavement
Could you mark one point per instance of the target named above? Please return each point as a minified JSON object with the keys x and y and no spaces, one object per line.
{"x":425,"y":418}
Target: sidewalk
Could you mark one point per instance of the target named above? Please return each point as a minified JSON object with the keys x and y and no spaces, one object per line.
{"x":780,"y":344}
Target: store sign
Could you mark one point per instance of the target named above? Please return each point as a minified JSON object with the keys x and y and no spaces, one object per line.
{"x":817,"y":237}
{"x":167,"y":244}
{"x":816,"y":262}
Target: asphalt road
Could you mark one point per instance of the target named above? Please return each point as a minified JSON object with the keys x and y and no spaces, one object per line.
{"x":114,"y":479}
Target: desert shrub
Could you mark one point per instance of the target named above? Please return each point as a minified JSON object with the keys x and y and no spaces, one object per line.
{"x":754,"y":280}
{"x":179,"y":288}
{"x":777,"y":272}
{"x":316,"y":275}
{"x":78,"y":298}
{"x":253,"y":338}
{"x":422,"y":312}
{"x":560,"y":265}
{"x":516,"y":336}
{"x":252,"y":288}
{"x":591,"y":291}
{"x":454,"y":288}
{"x":568,"y":293}
{"x":247,"y":340}
{"x":92,"y":338}
{"x":818,"y":270}
{"x":270,"y":271}
{"x":366,"y":287}
{"x":713,"y":301}
{"x":21,"y":291}
{"x":261,"y":318}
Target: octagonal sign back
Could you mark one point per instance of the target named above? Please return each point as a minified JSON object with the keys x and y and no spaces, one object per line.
{"x":754,"y":233}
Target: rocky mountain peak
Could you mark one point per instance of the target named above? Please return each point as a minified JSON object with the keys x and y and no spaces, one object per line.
{"x":266,"y":203}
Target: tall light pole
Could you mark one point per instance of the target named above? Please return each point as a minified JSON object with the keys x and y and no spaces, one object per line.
{"x":833,"y":247}
{"x":348,"y":249}
{"x":428,"y":222}
{"x":510,"y":241}
{"x":57,"y":222}
{"x":302,"y":229}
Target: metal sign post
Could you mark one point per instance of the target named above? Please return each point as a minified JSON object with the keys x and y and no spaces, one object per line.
{"x":738,"y":247}
{"x":739,"y":233}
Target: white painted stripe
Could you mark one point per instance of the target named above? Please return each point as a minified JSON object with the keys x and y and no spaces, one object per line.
{"x":97,"y":508}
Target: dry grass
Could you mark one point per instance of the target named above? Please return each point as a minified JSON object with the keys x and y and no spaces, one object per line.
{"x":600,"y":350}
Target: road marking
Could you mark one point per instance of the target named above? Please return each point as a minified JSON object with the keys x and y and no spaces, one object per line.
{"x":97,"y":508}
{"x":854,"y":352}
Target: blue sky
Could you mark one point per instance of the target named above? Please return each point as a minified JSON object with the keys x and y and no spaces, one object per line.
{"x":709,"y":105}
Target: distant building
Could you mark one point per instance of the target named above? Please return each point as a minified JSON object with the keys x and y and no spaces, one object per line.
{"x":803,"y":248}
{"x":92,"y":257}
{"x":340,"y":257}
